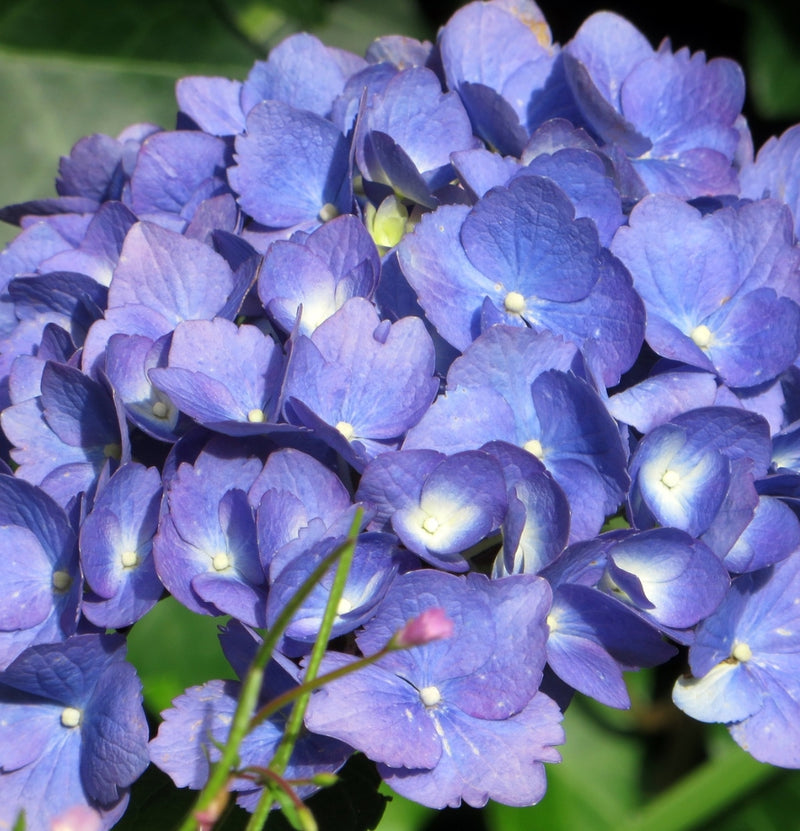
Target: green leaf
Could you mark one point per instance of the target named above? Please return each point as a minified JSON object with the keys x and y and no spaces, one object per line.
{"x":49,"y":103}
{"x":354,"y":24}
{"x":173,"y":648}
{"x":177,"y":31}
{"x":767,"y":808}
{"x":773,"y":58}
{"x":703,"y":794}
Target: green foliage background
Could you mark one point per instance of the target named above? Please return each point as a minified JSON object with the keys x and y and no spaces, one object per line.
{"x":73,"y":67}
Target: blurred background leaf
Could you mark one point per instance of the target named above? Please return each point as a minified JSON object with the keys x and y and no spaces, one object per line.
{"x":49,"y":103}
{"x":73,"y":67}
{"x":775,"y":806}
{"x":69,"y":68}
{"x":176,"y":31}
{"x":772,"y":49}
{"x":173,"y":648}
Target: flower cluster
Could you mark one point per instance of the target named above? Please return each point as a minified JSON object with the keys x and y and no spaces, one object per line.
{"x":485,"y":294}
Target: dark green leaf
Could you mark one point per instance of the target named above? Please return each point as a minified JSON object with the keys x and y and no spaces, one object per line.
{"x":157,"y":805}
{"x":773,"y":58}
{"x":178,"y":31}
{"x":768,"y":808}
{"x":402,"y":814}
{"x":702,"y":794}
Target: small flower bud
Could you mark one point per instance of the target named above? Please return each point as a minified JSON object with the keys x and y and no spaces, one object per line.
{"x":432,"y":625}
{"x":209,"y":816}
{"x":325,"y":780}
{"x":78,"y":818}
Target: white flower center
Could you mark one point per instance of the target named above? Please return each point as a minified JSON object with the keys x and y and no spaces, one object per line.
{"x":71,"y":717}
{"x":160,"y":409}
{"x":534,"y":447}
{"x":430,"y":696}
{"x":701,"y":335}
{"x":328,"y":211}
{"x":346,"y":429}
{"x":129,"y":559}
{"x":221,"y":561}
{"x":431,"y":524}
{"x":741,"y":652}
{"x":670,"y":478}
{"x":343,"y":606}
{"x":256,"y":416}
{"x":112,"y":451}
{"x":514,"y":303}
{"x":61,"y":581}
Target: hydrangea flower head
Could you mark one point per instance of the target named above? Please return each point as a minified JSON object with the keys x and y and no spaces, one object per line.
{"x":466,"y":302}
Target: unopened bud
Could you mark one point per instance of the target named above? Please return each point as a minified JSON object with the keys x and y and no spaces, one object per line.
{"x":78,"y":818}
{"x":208,"y":817}
{"x":325,"y":780}
{"x":431,"y":625}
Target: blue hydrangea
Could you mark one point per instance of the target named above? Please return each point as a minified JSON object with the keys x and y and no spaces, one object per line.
{"x":485,"y":293}
{"x":79,"y":706}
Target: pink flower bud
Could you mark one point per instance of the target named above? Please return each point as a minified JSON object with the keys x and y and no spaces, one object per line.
{"x":431,"y":625}
{"x":207,"y":818}
{"x":79,"y":818}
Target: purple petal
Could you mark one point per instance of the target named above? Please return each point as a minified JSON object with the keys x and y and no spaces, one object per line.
{"x":26,"y":594}
{"x":465,"y":771}
{"x":376,"y":712}
{"x":524,"y":236}
{"x":290,"y":163}
{"x":212,"y":103}
{"x":179,"y":278}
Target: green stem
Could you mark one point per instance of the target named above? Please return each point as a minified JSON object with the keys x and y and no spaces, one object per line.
{"x":220,"y":772}
{"x":309,"y":686}
{"x":294,"y":724}
{"x":259,"y":817}
{"x":276,"y":789}
{"x":251,"y":685}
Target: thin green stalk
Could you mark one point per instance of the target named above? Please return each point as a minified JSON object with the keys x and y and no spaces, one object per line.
{"x":259,"y":817}
{"x":220,"y":772}
{"x":309,"y":685}
{"x":277,"y":789}
{"x":294,"y":724}
{"x":251,"y":685}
